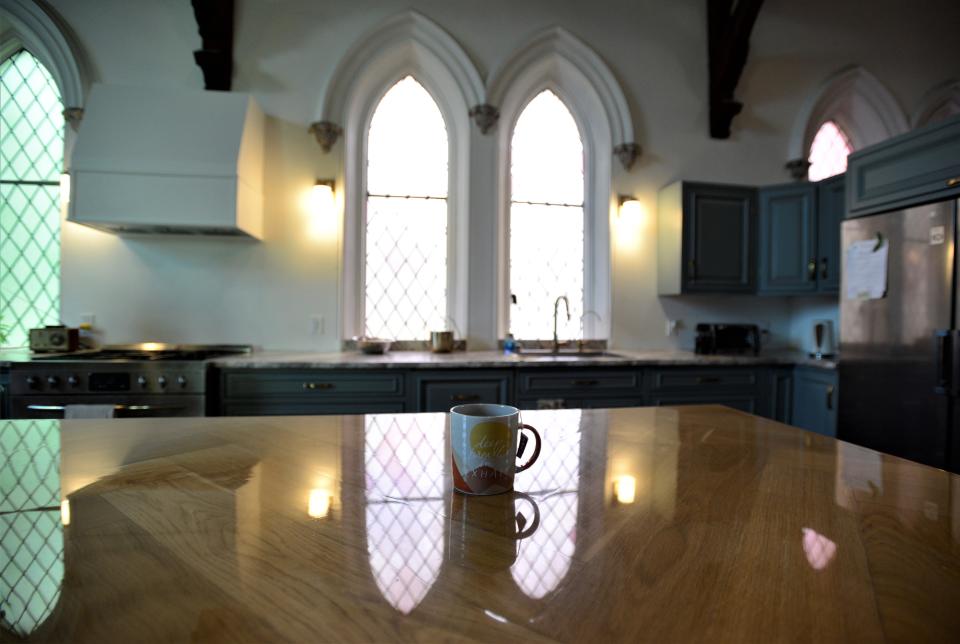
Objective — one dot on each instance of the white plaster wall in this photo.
(193, 290)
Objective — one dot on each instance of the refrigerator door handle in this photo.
(947, 361)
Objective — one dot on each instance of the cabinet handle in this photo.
(812, 269)
(585, 383)
(823, 268)
(706, 380)
(830, 397)
(311, 386)
(953, 182)
(464, 397)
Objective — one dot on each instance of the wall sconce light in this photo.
(64, 189)
(65, 512)
(630, 208)
(625, 489)
(322, 197)
(318, 505)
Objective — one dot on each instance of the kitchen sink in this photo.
(567, 354)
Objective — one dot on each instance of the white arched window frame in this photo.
(859, 104)
(555, 60)
(406, 45)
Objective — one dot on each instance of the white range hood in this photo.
(161, 160)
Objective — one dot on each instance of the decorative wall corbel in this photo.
(485, 116)
(326, 133)
(73, 116)
(628, 153)
(798, 168)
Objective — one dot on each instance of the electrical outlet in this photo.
(317, 324)
(671, 327)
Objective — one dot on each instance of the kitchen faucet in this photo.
(556, 309)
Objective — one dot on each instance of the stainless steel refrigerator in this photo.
(900, 353)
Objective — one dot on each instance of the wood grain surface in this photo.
(341, 529)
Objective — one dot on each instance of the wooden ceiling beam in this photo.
(729, 23)
(215, 58)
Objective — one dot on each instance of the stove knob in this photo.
(53, 381)
(73, 381)
(142, 382)
(162, 381)
(181, 381)
(33, 382)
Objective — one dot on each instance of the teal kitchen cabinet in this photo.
(831, 208)
(260, 392)
(442, 389)
(918, 167)
(815, 400)
(788, 239)
(799, 226)
(4, 393)
(737, 387)
(706, 238)
(588, 388)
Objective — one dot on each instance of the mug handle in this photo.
(523, 443)
(534, 523)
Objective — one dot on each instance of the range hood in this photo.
(161, 160)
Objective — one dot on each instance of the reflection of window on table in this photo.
(403, 460)
(554, 482)
(31, 536)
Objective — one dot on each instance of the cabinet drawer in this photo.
(440, 391)
(745, 403)
(311, 384)
(701, 379)
(910, 169)
(275, 407)
(584, 384)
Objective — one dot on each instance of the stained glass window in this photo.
(31, 157)
(828, 152)
(405, 270)
(546, 219)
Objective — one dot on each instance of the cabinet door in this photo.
(719, 225)
(788, 239)
(831, 207)
(815, 401)
(921, 166)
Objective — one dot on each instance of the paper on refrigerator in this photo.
(865, 269)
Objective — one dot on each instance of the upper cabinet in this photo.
(831, 208)
(800, 237)
(788, 239)
(917, 167)
(706, 238)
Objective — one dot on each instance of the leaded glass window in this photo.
(546, 220)
(828, 152)
(405, 236)
(31, 157)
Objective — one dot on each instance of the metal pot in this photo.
(441, 341)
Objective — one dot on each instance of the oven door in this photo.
(124, 406)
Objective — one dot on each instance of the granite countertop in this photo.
(487, 359)
(659, 524)
(493, 359)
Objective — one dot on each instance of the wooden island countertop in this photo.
(647, 524)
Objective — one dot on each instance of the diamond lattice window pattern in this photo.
(31, 535)
(546, 220)
(828, 152)
(405, 266)
(403, 459)
(31, 155)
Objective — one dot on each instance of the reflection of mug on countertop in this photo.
(484, 447)
(485, 531)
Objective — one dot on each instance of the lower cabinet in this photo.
(4, 393)
(801, 396)
(442, 389)
(815, 400)
(267, 392)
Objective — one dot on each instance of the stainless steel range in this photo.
(148, 379)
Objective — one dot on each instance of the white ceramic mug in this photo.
(484, 445)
